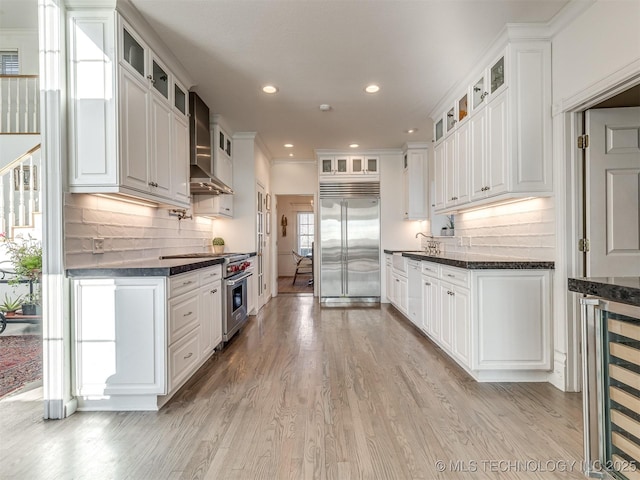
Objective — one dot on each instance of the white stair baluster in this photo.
(12, 214)
(3, 220)
(32, 184)
(21, 209)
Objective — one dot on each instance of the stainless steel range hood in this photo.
(203, 181)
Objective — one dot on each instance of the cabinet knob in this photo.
(215, 290)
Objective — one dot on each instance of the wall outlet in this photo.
(98, 245)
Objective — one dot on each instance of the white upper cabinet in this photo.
(493, 138)
(348, 165)
(218, 205)
(128, 113)
(415, 182)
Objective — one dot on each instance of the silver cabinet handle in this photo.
(187, 314)
(188, 356)
(427, 284)
(215, 290)
(484, 95)
(187, 283)
(449, 275)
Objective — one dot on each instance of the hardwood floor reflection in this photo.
(286, 286)
(308, 392)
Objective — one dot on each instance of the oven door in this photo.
(236, 304)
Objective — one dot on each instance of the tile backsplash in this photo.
(523, 229)
(131, 232)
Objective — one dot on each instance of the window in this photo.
(305, 233)
(9, 62)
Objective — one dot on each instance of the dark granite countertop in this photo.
(475, 261)
(617, 289)
(145, 268)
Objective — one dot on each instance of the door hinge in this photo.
(583, 245)
(583, 141)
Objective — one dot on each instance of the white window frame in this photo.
(299, 235)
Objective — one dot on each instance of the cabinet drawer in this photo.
(209, 275)
(431, 269)
(182, 284)
(456, 276)
(183, 358)
(184, 314)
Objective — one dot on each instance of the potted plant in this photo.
(9, 305)
(218, 245)
(448, 229)
(26, 257)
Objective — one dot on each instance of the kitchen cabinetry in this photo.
(493, 323)
(414, 293)
(389, 278)
(415, 181)
(127, 114)
(139, 339)
(348, 165)
(218, 205)
(430, 300)
(495, 142)
(120, 342)
(399, 283)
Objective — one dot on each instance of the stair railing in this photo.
(19, 104)
(20, 176)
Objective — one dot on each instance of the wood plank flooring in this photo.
(305, 392)
(286, 286)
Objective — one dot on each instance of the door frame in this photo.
(568, 174)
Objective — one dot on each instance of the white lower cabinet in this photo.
(139, 339)
(496, 324)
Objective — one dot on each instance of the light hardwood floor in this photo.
(308, 392)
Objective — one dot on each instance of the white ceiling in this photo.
(325, 51)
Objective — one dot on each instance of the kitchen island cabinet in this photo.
(142, 331)
(491, 315)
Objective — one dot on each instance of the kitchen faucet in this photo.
(425, 236)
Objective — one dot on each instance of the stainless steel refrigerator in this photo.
(349, 245)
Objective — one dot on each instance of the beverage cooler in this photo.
(611, 389)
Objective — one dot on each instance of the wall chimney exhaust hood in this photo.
(202, 179)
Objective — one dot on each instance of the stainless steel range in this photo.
(234, 288)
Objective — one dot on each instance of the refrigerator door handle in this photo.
(345, 242)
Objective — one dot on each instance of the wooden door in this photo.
(613, 192)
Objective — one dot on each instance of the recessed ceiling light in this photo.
(411, 130)
(373, 88)
(354, 145)
(288, 145)
(291, 154)
(325, 107)
(270, 89)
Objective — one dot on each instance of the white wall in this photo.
(131, 232)
(26, 42)
(294, 178)
(598, 43)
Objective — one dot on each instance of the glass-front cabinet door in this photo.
(326, 165)
(463, 108)
(372, 165)
(357, 165)
(342, 164)
(497, 75)
(451, 119)
(132, 52)
(439, 129)
(478, 93)
(160, 79)
(620, 389)
(179, 99)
